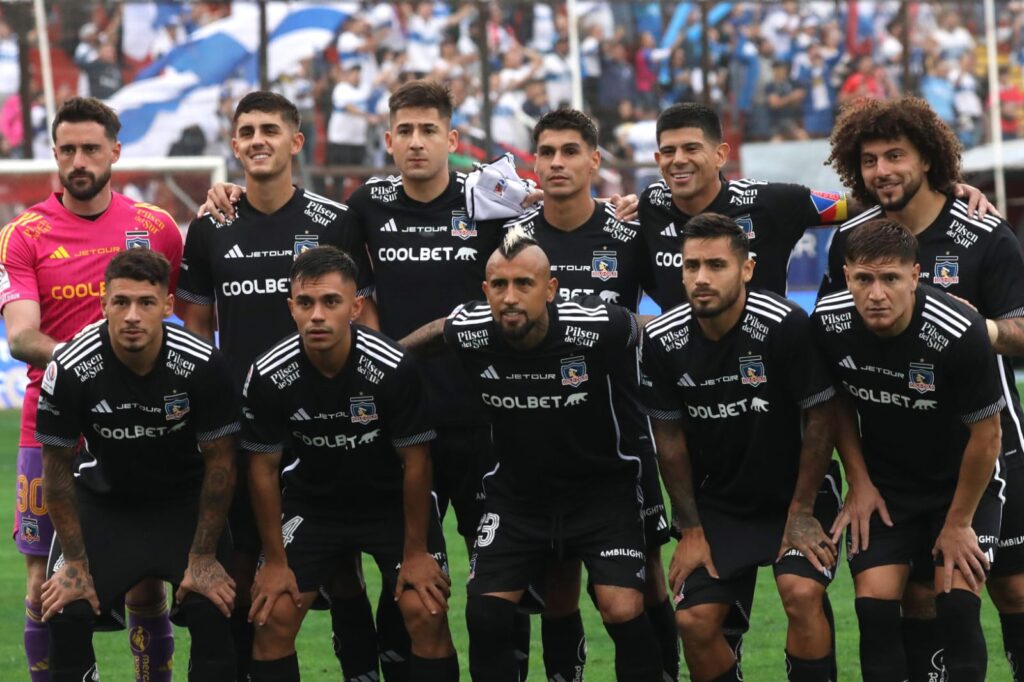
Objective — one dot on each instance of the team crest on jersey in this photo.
(50, 377)
(574, 371)
(747, 223)
(922, 377)
(363, 409)
(947, 271)
(604, 266)
(500, 186)
(462, 226)
(136, 239)
(175, 406)
(752, 371)
(305, 242)
(29, 530)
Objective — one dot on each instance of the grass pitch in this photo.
(763, 651)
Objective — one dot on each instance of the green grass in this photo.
(763, 658)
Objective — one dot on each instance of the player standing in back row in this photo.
(235, 273)
(594, 253)
(52, 259)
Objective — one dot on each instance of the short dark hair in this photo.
(514, 242)
(880, 240)
(567, 119)
(82, 109)
(910, 117)
(321, 261)
(690, 115)
(140, 265)
(426, 94)
(713, 226)
(269, 103)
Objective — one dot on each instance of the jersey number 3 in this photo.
(486, 530)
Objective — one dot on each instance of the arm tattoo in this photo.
(59, 493)
(1011, 336)
(815, 454)
(215, 497)
(426, 340)
(676, 471)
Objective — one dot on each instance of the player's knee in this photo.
(699, 625)
(35, 576)
(801, 598)
(425, 628)
(276, 638)
(489, 618)
(1007, 593)
(619, 604)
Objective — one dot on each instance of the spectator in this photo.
(347, 129)
(784, 99)
(646, 62)
(104, 73)
(536, 103)
(952, 37)
(618, 82)
(1011, 104)
(10, 71)
(558, 74)
(868, 81)
(755, 57)
(967, 102)
(424, 32)
(590, 62)
(938, 91)
(819, 101)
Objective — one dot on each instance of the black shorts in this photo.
(126, 543)
(740, 545)
(512, 548)
(318, 538)
(1010, 552)
(913, 534)
(461, 455)
(652, 503)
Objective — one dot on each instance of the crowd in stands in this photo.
(778, 71)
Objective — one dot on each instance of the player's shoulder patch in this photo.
(30, 224)
(942, 311)
(571, 311)
(526, 220)
(834, 313)
(377, 346)
(312, 198)
(657, 194)
(184, 341)
(769, 306)
(871, 214)
(609, 212)
(83, 354)
(155, 209)
(958, 209)
(471, 325)
(675, 318)
(278, 355)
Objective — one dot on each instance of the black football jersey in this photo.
(978, 260)
(604, 258)
(555, 426)
(243, 268)
(342, 431)
(739, 398)
(916, 392)
(427, 258)
(774, 215)
(141, 433)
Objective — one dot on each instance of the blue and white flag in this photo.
(183, 88)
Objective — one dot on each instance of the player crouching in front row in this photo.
(916, 367)
(147, 495)
(348, 404)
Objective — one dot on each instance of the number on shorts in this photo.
(487, 529)
(30, 495)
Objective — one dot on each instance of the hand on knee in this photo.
(428, 632)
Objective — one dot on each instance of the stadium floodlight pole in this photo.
(485, 77)
(43, 38)
(262, 65)
(574, 55)
(996, 105)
